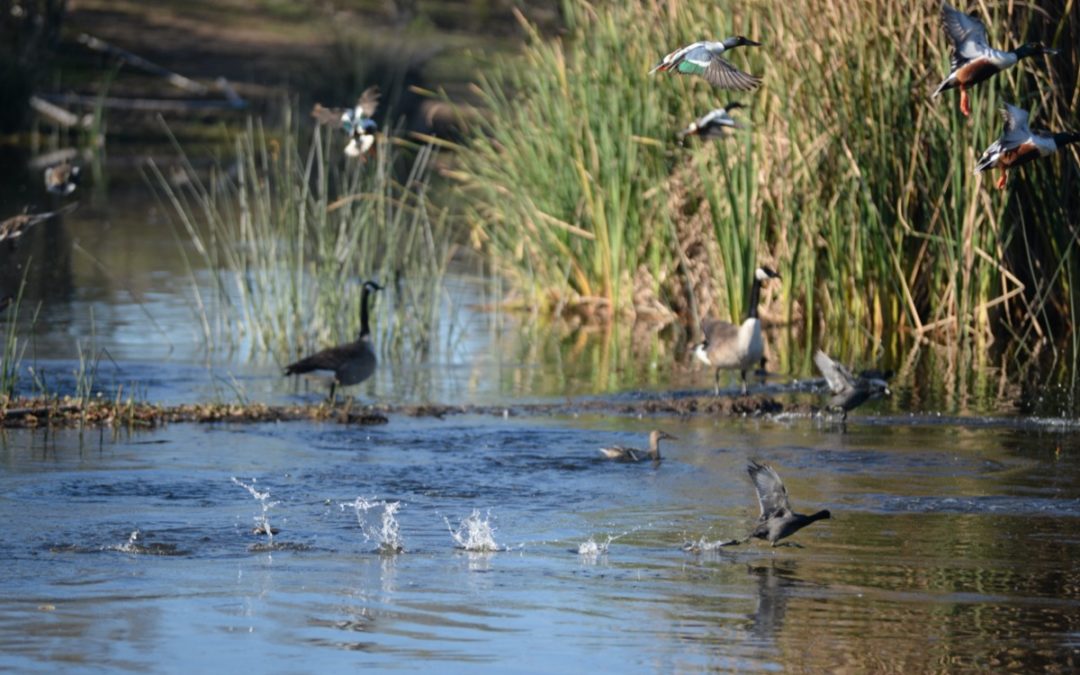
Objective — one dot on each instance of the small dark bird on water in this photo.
(351, 363)
(61, 179)
(777, 520)
(849, 391)
(622, 454)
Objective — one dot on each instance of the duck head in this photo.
(739, 41)
(1033, 49)
(732, 105)
(1066, 137)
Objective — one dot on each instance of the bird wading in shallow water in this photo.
(777, 520)
(350, 363)
(622, 454)
(730, 347)
(713, 124)
(848, 391)
(1018, 144)
(704, 59)
(973, 59)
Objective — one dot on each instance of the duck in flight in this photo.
(1018, 144)
(705, 59)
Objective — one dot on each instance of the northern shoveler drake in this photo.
(622, 454)
(712, 124)
(1019, 145)
(356, 122)
(730, 347)
(704, 59)
(973, 59)
(848, 391)
(61, 179)
(351, 363)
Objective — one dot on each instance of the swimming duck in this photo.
(704, 59)
(849, 391)
(973, 59)
(351, 363)
(16, 226)
(621, 454)
(60, 179)
(356, 122)
(713, 123)
(1019, 145)
(730, 347)
(777, 520)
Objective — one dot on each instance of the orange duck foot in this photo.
(1001, 181)
(965, 104)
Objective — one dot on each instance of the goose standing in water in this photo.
(713, 124)
(351, 363)
(849, 391)
(622, 454)
(973, 59)
(704, 59)
(1018, 144)
(777, 520)
(730, 347)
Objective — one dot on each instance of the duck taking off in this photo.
(973, 59)
(704, 59)
(730, 347)
(848, 391)
(356, 122)
(713, 123)
(351, 363)
(777, 520)
(623, 454)
(1018, 144)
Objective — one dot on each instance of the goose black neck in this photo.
(755, 294)
(820, 515)
(365, 329)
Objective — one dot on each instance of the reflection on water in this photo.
(129, 555)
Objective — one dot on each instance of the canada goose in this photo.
(849, 391)
(704, 59)
(351, 363)
(621, 454)
(730, 347)
(973, 59)
(713, 123)
(777, 519)
(60, 179)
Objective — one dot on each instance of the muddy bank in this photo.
(66, 412)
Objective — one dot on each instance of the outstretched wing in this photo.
(772, 495)
(838, 377)
(330, 117)
(368, 101)
(967, 33)
(722, 74)
(1016, 123)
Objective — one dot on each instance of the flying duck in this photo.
(730, 347)
(713, 123)
(356, 122)
(1019, 145)
(973, 59)
(622, 454)
(351, 363)
(704, 59)
(849, 391)
(777, 520)
(16, 226)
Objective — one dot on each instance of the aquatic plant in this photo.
(854, 184)
(288, 231)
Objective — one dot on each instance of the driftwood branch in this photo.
(156, 105)
(58, 115)
(139, 62)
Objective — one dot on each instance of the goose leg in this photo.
(744, 388)
(716, 388)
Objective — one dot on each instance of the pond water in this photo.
(953, 542)
(949, 548)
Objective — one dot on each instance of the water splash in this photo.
(131, 545)
(474, 533)
(386, 532)
(703, 545)
(262, 520)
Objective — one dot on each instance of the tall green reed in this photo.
(284, 234)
